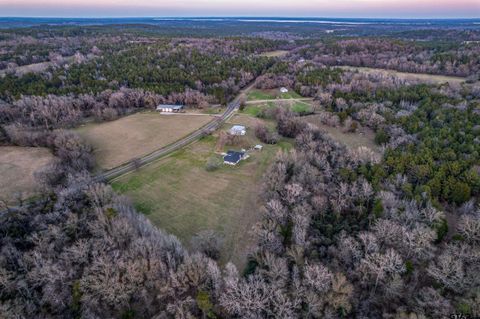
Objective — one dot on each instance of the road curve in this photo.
(147, 159)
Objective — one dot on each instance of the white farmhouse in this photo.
(283, 90)
(170, 108)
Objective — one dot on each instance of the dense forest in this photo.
(427, 57)
(343, 233)
(214, 68)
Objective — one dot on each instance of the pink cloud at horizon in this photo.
(320, 8)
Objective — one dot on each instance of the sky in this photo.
(250, 8)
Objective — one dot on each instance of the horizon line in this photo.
(234, 17)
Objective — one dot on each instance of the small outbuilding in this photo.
(233, 157)
(238, 130)
(170, 108)
(258, 147)
(283, 90)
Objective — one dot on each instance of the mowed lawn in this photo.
(17, 168)
(133, 136)
(429, 78)
(272, 94)
(179, 195)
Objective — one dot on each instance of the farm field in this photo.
(136, 135)
(275, 54)
(431, 78)
(179, 195)
(256, 94)
(363, 137)
(17, 168)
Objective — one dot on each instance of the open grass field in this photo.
(275, 54)
(33, 68)
(272, 94)
(179, 195)
(255, 109)
(429, 78)
(136, 135)
(17, 168)
(363, 137)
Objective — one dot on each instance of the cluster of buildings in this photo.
(234, 157)
(231, 157)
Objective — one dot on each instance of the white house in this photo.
(258, 147)
(283, 90)
(238, 130)
(169, 108)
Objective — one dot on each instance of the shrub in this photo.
(381, 137)
(263, 134)
(442, 229)
(460, 193)
(213, 163)
(208, 243)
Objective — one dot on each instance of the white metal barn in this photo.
(238, 130)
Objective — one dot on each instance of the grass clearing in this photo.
(17, 168)
(136, 135)
(259, 95)
(363, 137)
(275, 54)
(429, 78)
(178, 194)
(301, 107)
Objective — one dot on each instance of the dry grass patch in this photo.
(428, 78)
(275, 54)
(363, 137)
(120, 141)
(17, 168)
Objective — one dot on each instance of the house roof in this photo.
(233, 156)
(238, 128)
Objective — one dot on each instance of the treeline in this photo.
(51, 112)
(214, 67)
